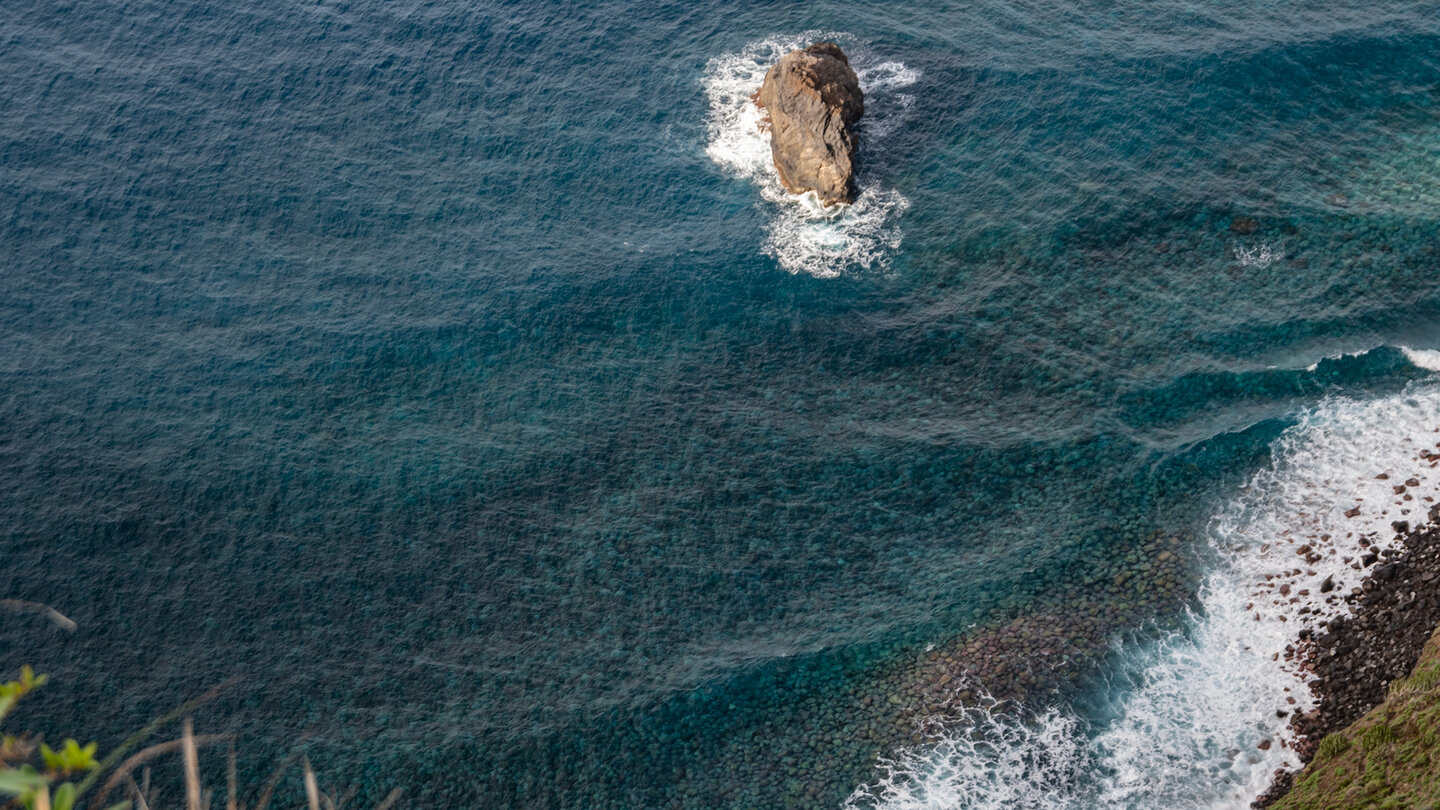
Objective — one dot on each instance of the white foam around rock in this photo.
(804, 236)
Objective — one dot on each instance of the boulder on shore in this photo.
(813, 99)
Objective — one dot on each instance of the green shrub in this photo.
(1333, 746)
(30, 787)
(1378, 735)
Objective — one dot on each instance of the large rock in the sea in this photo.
(814, 99)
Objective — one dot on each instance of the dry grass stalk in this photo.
(192, 766)
(134, 739)
(275, 780)
(230, 803)
(197, 797)
(146, 755)
(22, 606)
(312, 788)
(140, 803)
(346, 797)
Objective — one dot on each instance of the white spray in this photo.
(1203, 720)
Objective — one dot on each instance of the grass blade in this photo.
(145, 756)
(312, 788)
(192, 766)
(134, 739)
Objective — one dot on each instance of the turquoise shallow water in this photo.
(424, 366)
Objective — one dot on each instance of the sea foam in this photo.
(803, 235)
(1199, 718)
(1428, 359)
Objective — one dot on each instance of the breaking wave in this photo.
(1200, 717)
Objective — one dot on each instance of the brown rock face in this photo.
(813, 98)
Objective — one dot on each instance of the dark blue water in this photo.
(417, 364)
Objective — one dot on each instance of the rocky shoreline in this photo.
(1355, 658)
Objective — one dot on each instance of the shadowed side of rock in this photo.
(813, 99)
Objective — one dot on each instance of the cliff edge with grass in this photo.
(1390, 758)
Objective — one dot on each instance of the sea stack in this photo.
(813, 99)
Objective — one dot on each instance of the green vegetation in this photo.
(1333, 745)
(34, 776)
(1376, 737)
(1390, 758)
(47, 786)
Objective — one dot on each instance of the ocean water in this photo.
(457, 379)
